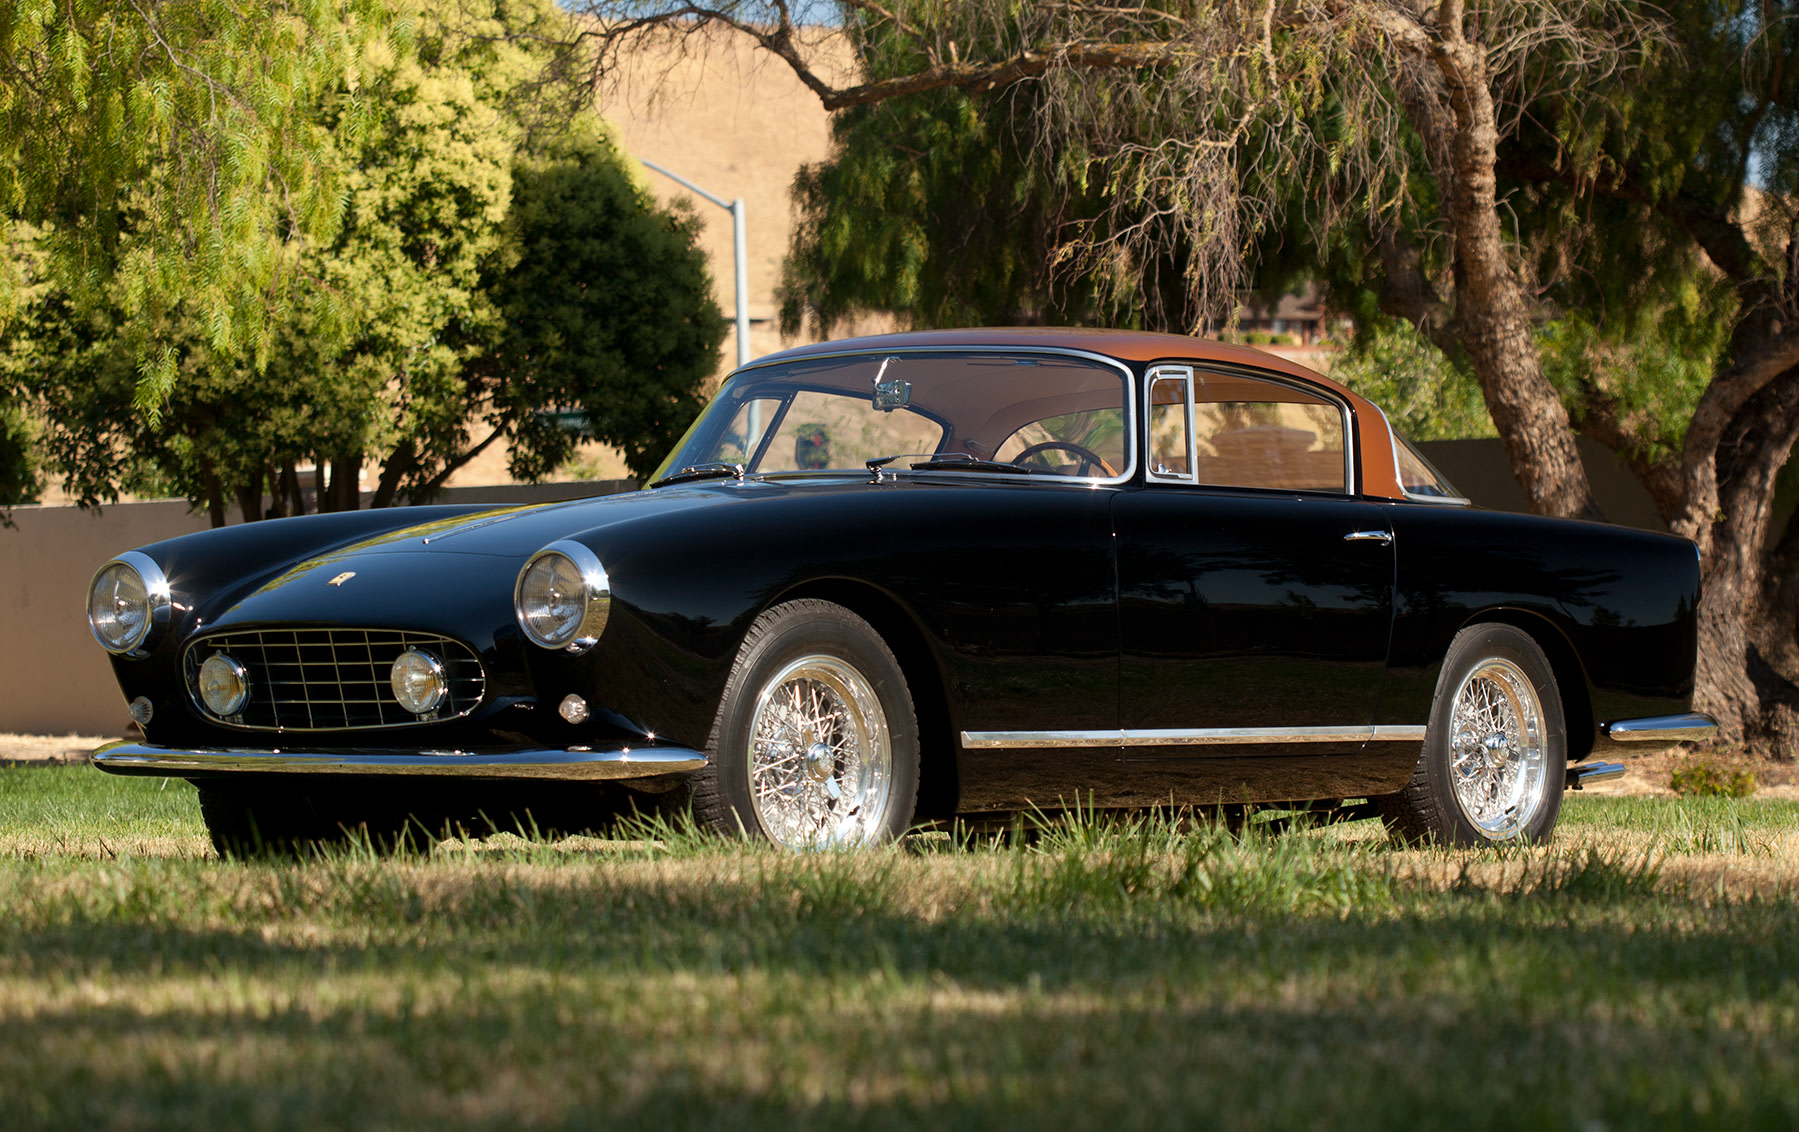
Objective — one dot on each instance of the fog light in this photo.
(418, 681)
(573, 709)
(224, 685)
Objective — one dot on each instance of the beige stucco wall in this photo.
(56, 678)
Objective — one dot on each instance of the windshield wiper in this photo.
(963, 462)
(712, 471)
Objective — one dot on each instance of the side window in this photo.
(1240, 430)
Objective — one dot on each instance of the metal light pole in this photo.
(739, 223)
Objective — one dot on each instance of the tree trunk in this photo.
(215, 495)
(395, 470)
(277, 493)
(1733, 602)
(290, 486)
(249, 497)
(1491, 313)
(346, 482)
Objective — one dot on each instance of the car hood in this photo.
(442, 570)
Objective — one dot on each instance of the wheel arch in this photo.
(1564, 661)
(939, 781)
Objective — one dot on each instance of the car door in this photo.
(1255, 593)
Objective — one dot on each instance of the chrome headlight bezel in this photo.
(595, 595)
(157, 605)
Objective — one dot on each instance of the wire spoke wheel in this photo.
(821, 757)
(1496, 751)
(1493, 763)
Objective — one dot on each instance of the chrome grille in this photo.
(332, 679)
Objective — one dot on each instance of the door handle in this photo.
(1385, 538)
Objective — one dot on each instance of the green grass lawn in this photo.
(1643, 972)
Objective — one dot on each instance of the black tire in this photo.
(812, 648)
(1510, 786)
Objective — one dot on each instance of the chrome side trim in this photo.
(1398, 733)
(574, 763)
(1661, 728)
(1023, 740)
(1188, 737)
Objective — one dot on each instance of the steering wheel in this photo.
(1087, 456)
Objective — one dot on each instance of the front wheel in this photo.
(1495, 754)
(816, 740)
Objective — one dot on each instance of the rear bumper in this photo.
(573, 764)
(1663, 729)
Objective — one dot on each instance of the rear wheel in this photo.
(1495, 754)
(816, 739)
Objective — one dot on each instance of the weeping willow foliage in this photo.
(171, 151)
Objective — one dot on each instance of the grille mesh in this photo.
(333, 679)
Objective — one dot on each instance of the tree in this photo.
(605, 305)
(1625, 199)
(169, 149)
(1194, 110)
(406, 340)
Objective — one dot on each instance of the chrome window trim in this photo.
(158, 596)
(1196, 369)
(1399, 476)
(1152, 375)
(1191, 736)
(1129, 406)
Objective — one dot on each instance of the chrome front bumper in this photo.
(574, 763)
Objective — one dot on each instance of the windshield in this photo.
(957, 412)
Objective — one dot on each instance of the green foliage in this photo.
(1648, 369)
(1426, 395)
(21, 476)
(928, 209)
(171, 150)
(603, 303)
(1704, 776)
(471, 283)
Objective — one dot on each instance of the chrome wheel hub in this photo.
(821, 760)
(1498, 761)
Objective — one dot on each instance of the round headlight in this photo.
(418, 681)
(128, 601)
(224, 685)
(563, 597)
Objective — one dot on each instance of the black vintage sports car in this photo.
(897, 580)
